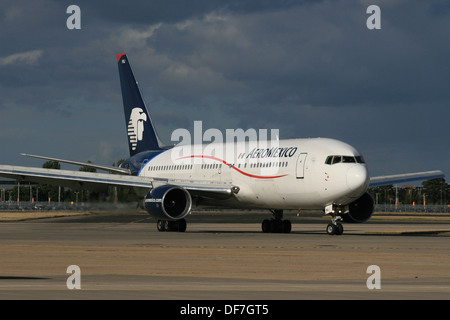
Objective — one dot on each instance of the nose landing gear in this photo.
(335, 227)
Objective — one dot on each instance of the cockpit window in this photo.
(344, 159)
(336, 159)
(360, 159)
(347, 159)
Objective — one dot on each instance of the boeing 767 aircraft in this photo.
(316, 173)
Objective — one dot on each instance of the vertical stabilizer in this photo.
(141, 132)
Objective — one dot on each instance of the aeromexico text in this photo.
(275, 152)
(263, 146)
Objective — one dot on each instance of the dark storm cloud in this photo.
(269, 62)
(308, 68)
(151, 12)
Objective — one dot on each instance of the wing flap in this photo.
(219, 192)
(200, 188)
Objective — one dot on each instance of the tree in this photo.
(87, 168)
(436, 191)
(47, 191)
(120, 194)
(383, 194)
(408, 195)
(51, 165)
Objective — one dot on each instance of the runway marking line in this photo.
(326, 247)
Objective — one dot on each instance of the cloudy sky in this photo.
(307, 68)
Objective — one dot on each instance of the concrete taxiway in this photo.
(121, 255)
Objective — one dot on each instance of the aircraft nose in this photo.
(357, 178)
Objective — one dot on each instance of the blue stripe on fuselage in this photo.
(154, 154)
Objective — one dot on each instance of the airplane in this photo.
(277, 175)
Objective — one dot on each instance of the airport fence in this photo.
(63, 206)
(89, 206)
(429, 208)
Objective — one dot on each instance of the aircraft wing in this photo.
(100, 181)
(73, 179)
(406, 177)
(87, 164)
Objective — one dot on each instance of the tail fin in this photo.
(141, 133)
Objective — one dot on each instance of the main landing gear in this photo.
(178, 225)
(276, 224)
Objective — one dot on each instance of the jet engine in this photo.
(360, 210)
(168, 202)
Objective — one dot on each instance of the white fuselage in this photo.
(281, 174)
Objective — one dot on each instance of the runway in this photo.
(121, 255)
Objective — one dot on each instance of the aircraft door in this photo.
(301, 165)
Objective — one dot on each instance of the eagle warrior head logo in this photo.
(136, 126)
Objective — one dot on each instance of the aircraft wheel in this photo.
(340, 229)
(287, 226)
(266, 226)
(331, 229)
(162, 225)
(182, 225)
(335, 229)
(276, 226)
(179, 225)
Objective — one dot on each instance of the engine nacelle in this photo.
(168, 202)
(360, 210)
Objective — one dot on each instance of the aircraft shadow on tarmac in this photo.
(195, 221)
(424, 233)
(21, 278)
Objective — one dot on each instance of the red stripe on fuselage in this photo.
(238, 170)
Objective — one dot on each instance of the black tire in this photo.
(182, 225)
(161, 225)
(339, 229)
(287, 226)
(266, 226)
(331, 229)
